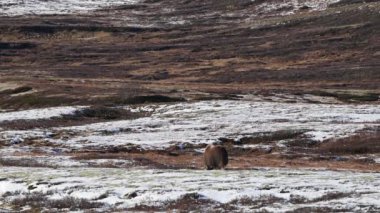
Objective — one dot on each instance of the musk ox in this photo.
(215, 157)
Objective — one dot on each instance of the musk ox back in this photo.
(215, 157)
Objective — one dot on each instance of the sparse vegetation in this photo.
(332, 196)
(365, 143)
(196, 202)
(319, 210)
(23, 162)
(102, 112)
(40, 202)
(258, 202)
(269, 80)
(145, 99)
(270, 137)
(350, 97)
(34, 101)
(301, 143)
(189, 202)
(79, 117)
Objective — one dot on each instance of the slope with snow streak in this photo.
(155, 187)
(34, 114)
(43, 7)
(290, 7)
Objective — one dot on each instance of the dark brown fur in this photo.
(215, 157)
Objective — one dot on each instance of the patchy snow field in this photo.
(207, 121)
(48, 7)
(114, 187)
(45, 7)
(108, 183)
(38, 113)
(290, 7)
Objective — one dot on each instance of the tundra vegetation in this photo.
(110, 105)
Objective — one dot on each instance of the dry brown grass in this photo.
(318, 209)
(102, 112)
(259, 202)
(320, 55)
(365, 143)
(33, 101)
(269, 137)
(188, 202)
(23, 162)
(348, 96)
(196, 202)
(39, 201)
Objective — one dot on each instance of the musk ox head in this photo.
(215, 157)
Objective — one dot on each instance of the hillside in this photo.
(109, 105)
(192, 49)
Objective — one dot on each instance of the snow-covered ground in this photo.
(38, 113)
(358, 191)
(55, 160)
(43, 7)
(207, 121)
(290, 7)
(177, 123)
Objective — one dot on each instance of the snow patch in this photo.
(47, 7)
(290, 7)
(206, 121)
(44, 113)
(156, 187)
(8, 186)
(202, 122)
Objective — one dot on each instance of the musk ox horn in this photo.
(215, 157)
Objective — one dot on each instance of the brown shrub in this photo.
(33, 200)
(23, 162)
(73, 204)
(331, 196)
(347, 97)
(259, 202)
(318, 209)
(365, 143)
(102, 112)
(268, 137)
(34, 101)
(188, 202)
(39, 200)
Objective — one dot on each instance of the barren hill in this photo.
(193, 49)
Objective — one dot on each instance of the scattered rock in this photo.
(131, 195)
(31, 187)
